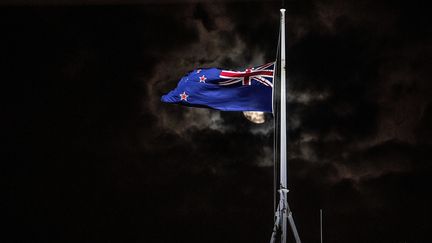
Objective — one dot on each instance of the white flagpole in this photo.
(285, 210)
(283, 158)
(283, 214)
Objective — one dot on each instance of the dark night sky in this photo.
(92, 155)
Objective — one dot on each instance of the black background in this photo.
(92, 155)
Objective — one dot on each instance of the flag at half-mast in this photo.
(227, 90)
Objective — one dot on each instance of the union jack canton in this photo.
(263, 74)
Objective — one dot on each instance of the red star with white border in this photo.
(202, 79)
(184, 96)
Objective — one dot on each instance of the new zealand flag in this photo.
(226, 90)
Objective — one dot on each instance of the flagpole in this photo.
(285, 213)
(283, 162)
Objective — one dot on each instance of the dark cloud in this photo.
(94, 156)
